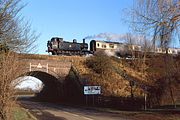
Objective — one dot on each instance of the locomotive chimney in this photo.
(83, 40)
(74, 41)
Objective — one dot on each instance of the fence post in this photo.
(47, 68)
(29, 66)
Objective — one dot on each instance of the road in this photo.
(48, 111)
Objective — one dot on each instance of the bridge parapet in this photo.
(56, 68)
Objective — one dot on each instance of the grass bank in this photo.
(20, 113)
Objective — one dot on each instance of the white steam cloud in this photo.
(107, 36)
(125, 38)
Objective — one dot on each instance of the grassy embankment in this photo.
(20, 113)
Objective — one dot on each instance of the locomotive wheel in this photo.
(54, 53)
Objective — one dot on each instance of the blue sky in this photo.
(75, 18)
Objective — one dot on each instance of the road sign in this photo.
(39, 66)
(92, 90)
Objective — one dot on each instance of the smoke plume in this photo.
(107, 36)
(124, 38)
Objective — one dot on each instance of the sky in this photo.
(29, 82)
(75, 19)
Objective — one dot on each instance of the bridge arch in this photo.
(52, 89)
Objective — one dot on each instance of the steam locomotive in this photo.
(59, 47)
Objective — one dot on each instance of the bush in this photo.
(100, 64)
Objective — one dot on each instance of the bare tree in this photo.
(137, 47)
(15, 33)
(15, 37)
(10, 69)
(160, 20)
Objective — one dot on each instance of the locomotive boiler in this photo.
(59, 47)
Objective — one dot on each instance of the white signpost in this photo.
(92, 90)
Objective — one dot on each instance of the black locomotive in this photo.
(59, 47)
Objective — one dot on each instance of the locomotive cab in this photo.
(55, 42)
(53, 45)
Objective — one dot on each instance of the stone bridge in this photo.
(52, 73)
(58, 69)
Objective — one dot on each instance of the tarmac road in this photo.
(48, 111)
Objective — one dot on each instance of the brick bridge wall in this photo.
(52, 71)
(55, 68)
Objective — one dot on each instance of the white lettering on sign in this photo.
(92, 90)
